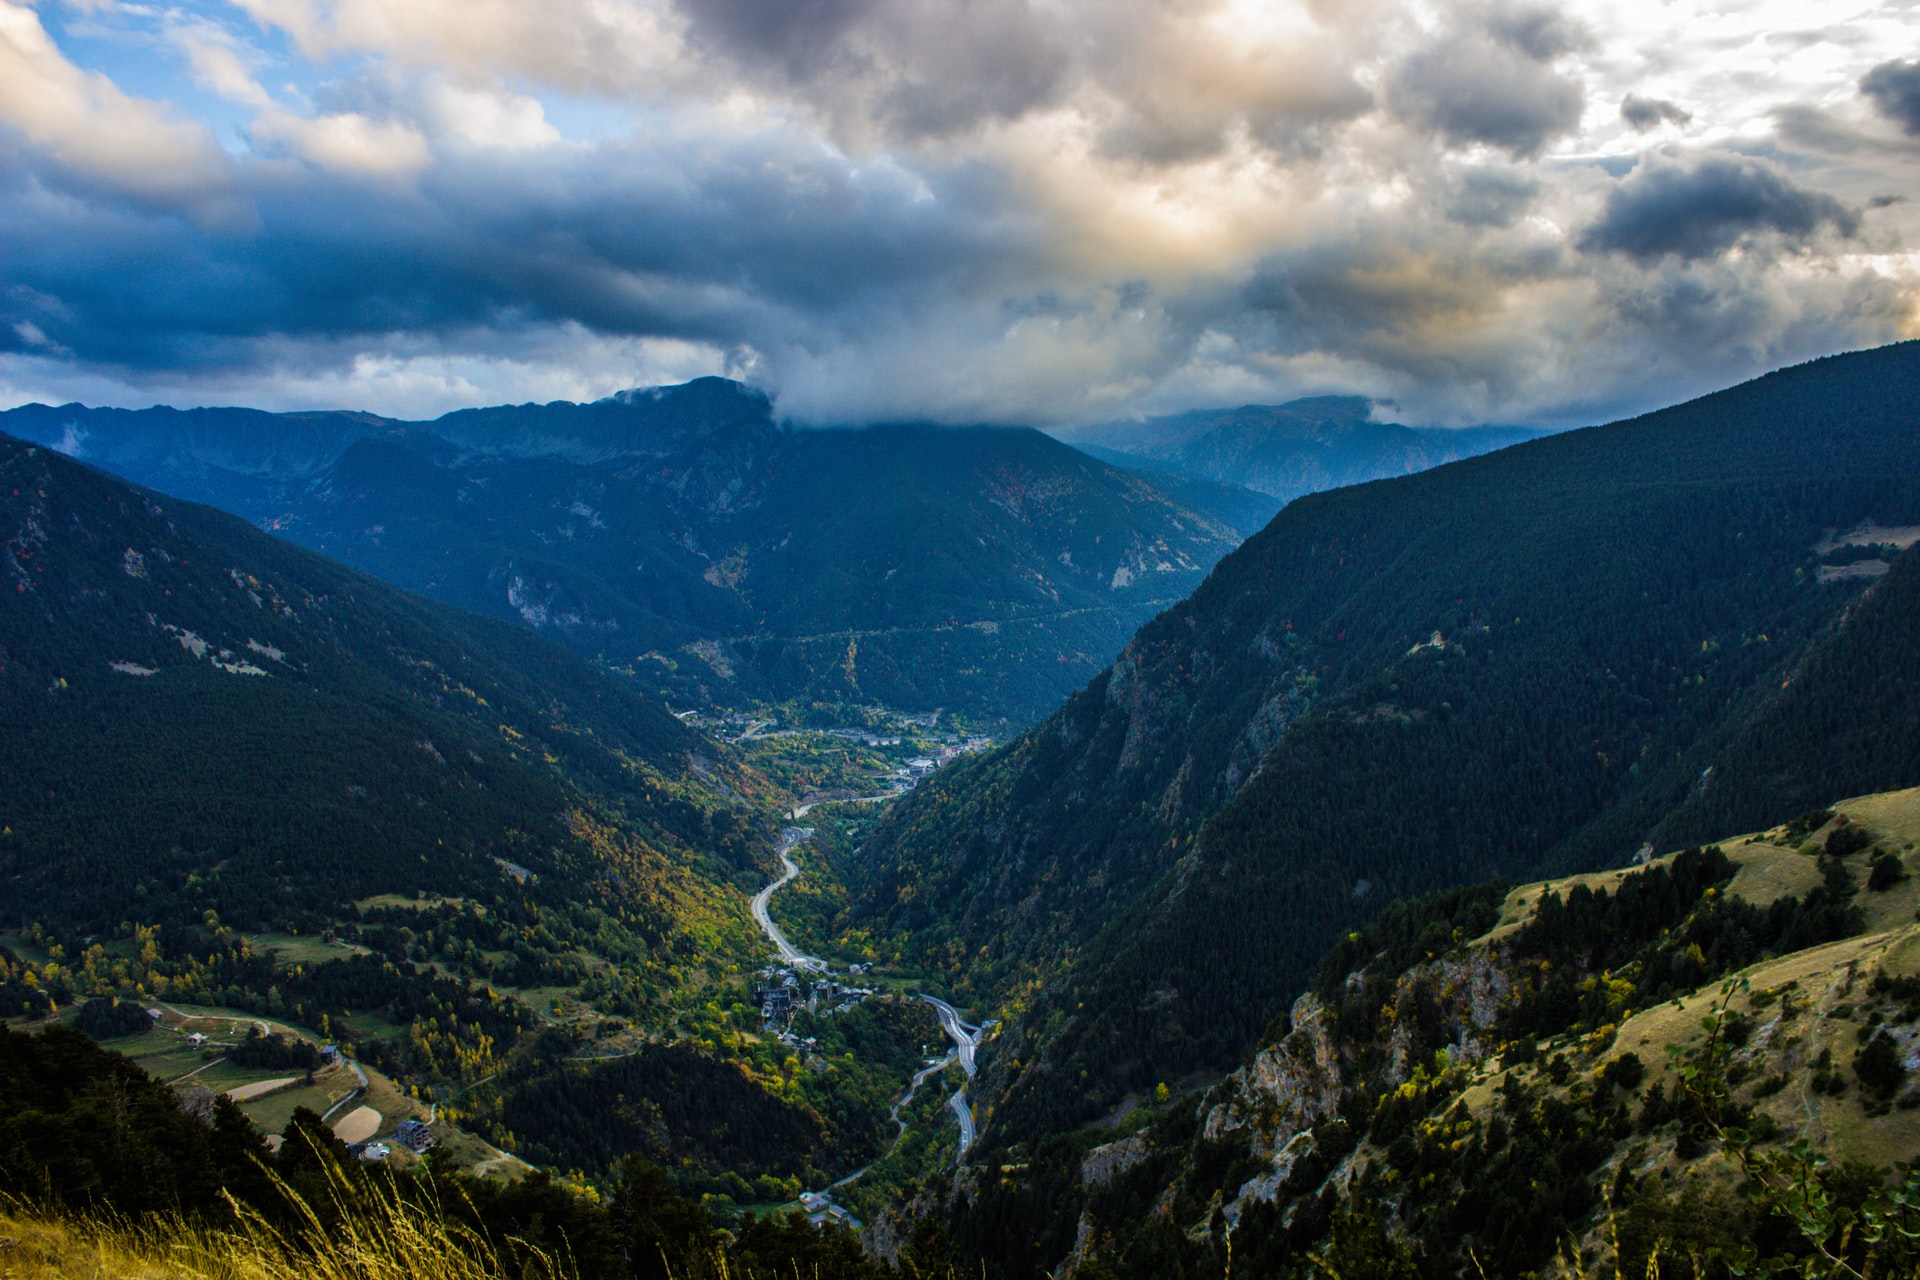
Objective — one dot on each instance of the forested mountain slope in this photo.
(1239, 508)
(202, 718)
(1520, 662)
(1706, 1061)
(1287, 450)
(681, 534)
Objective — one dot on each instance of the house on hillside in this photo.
(414, 1135)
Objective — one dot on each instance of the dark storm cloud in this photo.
(1487, 87)
(624, 241)
(1650, 113)
(1540, 33)
(1894, 88)
(917, 69)
(797, 36)
(1700, 209)
(963, 209)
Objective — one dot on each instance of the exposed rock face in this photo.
(1103, 1164)
(1290, 1086)
(1286, 1087)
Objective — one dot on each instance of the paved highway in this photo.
(963, 1111)
(790, 839)
(965, 1038)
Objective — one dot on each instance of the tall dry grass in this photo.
(382, 1237)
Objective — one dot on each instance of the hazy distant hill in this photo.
(1286, 450)
(681, 533)
(1517, 663)
(1244, 510)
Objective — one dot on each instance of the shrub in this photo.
(1878, 1066)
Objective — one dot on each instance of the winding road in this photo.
(965, 1036)
(966, 1039)
(963, 1112)
(790, 839)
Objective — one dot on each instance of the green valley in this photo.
(246, 787)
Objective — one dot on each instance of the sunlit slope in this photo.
(1490, 1075)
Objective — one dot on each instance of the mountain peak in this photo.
(710, 389)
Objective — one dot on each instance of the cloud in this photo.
(800, 37)
(1492, 197)
(1015, 210)
(1702, 208)
(1650, 113)
(346, 142)
(627, 49)
(1894, 89)
(100, 140)
(1476, 87)
(218, 66)
(1541, 32)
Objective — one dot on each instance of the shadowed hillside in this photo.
(1520, 662)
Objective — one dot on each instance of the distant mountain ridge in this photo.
(682, 534)
(1288, 450)
(237, 774)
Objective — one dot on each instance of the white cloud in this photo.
(489, 117)
(216, 65)
(347, 142)
(100, 138)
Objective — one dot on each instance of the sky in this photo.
(1037, 211)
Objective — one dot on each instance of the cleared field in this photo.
(1769, 872)
(478, 1157)
(288, 948)
(261, 1088)
(391, 1100)
(161, 1054)
(271, 1114)
(358, 1125)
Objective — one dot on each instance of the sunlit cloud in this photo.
(996, 210)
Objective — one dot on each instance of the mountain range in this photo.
(683, 536)
(1695, 1066)
(202, 717)
(1234, 921)
(1285, 450)
(240, 775)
